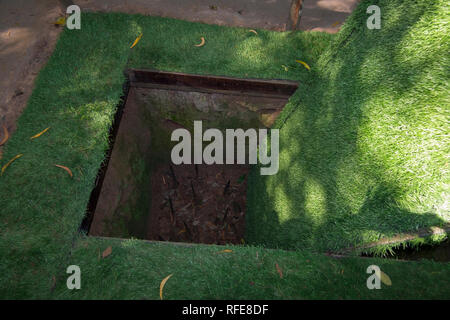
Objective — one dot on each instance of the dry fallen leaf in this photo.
(107, 252)
(61, 21)
(161, 286)
(136, 41)
(201, 43)
(226, 251)
(10, 161)
(304, 64)
(385, 278)
(336, 23)
(254, 31)
(40, 133)
(5, 136)
(280, 272)
(65, 168)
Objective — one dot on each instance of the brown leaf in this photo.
(5, 136)
(39, 134)
(280, 272)
(10, 161)
(161, 286)
(225, 251)
(201, 43)
(107, 252)
(65, 168)
(136, 41)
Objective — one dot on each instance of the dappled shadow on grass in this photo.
(347, 176)
(236, 52)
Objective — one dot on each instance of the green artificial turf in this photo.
(76, 95)
(364, 146)
(134, 270)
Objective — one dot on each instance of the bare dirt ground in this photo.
(28, 36)
(325, 15)
(198, 203)
(27, 39)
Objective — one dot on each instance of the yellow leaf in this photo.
(181, 231)
(201, 43)
(10, 161)
(385, 278)
(40, 134)
(304, 64)
(61, 21)
(65, 168)
(161, 286)
(5, 136)
(136, 41)
(336, 23)
(251, 30)
(107, 252)
(225, 251)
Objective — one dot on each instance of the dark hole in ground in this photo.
(144, 195)
(437, 252)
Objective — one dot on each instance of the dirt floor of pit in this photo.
(198, 203)
(145, 196)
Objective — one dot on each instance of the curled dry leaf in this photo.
(280, 272)
(65, 168)
(10, 161)
(61, 21)
(304, 64)
(136, 41)
(226, 251)
(201, 43)
(107, 252)
(161, 286)
(254, 31)
(40, 133)
(5, 136)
